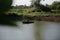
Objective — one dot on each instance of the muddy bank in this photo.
(43, 18)
(48, 18)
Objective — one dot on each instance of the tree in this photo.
(33, 2)
(55, 5)
(43, 8)
(5, 5)
(39, 6)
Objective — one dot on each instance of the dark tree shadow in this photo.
(5, 5)
(8, 19)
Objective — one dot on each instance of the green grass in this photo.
(35, 13)
(41, 14)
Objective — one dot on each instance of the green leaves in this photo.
(55, 5)
(35, 1)
(5, 5)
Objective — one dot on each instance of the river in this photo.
(48, 31)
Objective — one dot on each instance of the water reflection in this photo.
(46, 30)
(22, 32)
(10, 19)
(50, 31)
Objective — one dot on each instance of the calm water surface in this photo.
(49, 31)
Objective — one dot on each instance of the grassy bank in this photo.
(41, 14)
(35, 13)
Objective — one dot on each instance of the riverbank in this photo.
(43, 18)
(14, 17)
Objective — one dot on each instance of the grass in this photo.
(41, 14)
(29, 12)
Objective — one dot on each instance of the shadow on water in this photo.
(12, 18)
(8, 20)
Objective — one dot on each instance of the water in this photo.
(48, 31)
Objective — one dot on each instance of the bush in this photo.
(56, 11)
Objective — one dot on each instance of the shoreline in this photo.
(14, 17)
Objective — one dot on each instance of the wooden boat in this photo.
(27, 22)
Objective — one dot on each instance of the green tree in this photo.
(55, 5)
(34, 2)
(5, 5)
(39, 6)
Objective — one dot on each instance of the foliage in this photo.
(55, 5)
(5, 19)
(36, 7)
(5, 5)
(35, 1)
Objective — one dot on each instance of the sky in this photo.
(21, 2)
(28, 2)
(48, 1)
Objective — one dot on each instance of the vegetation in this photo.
(55, 7)
(35, 9)
(5, 5)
